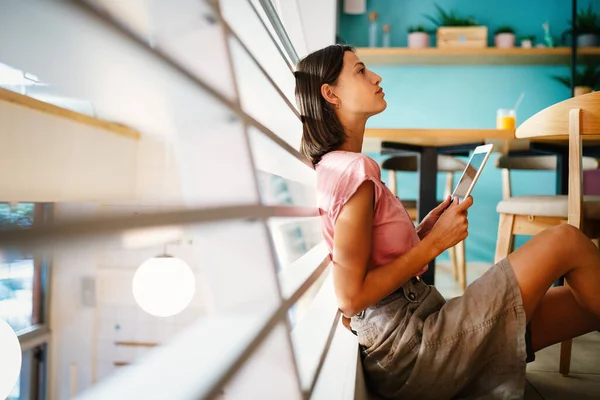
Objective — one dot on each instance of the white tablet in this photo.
(472, 171)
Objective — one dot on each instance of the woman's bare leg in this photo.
(562, 250)
(559, 317)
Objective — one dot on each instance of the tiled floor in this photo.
(543, 379)
(444, 277)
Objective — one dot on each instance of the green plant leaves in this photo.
(589, 76)
(450, 18)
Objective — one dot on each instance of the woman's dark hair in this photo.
(322, 131)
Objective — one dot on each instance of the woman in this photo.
(413, 343)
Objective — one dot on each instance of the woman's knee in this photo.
(568, 232)
(568, 240)
(556, 250)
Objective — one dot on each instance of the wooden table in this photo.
(428, 143)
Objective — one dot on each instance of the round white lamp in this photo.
(10, 361)
(164, 286)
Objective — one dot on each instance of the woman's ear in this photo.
(329, 95)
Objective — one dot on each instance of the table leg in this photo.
(562, 163)
(427, 195)
(562, 187)
(562, 173)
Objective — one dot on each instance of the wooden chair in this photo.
(529, 215)
(449, 165)
(532, 214)
(532, 163)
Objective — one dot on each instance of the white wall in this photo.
(84, 334)
(71, 323)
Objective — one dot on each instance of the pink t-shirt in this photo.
(339, 175)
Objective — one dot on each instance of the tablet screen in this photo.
(470, 172)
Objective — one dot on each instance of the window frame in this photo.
(36, 338)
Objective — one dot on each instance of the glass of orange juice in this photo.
(506, 118)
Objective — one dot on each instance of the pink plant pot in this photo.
(505, 40)
(418, 40)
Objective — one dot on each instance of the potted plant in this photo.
(418, 37)
(586, 81)
(527, 41)
(587, 28)
(504, 37)
(456, 31)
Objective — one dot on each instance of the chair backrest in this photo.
(539, 163)
(575, 117)
(554, 120)
(532, 163)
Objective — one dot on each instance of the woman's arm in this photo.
(357, 288)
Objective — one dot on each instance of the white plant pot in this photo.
(526, 44)
(505, 40)
(587, 40)
(418, 40)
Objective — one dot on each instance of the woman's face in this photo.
(358, 88)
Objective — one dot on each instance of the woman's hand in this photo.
(346, 322)
(432, 218)
(452, 226)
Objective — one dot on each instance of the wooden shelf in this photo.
(474, 56)
(59, 155)
(34, 104)
(438, 137)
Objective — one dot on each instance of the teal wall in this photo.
(467, 96)
(525, 16)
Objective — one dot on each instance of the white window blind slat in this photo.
(95, 228)
(311, 333)
(296, 274)
(278, 191)
(341, 376)
(271, 158)
(176, 30)
(260, 99)
(238, 266)
(288, 11)
(294, 238)
(210, 178)
(269, 373)
(190, 367)
(243, 20)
